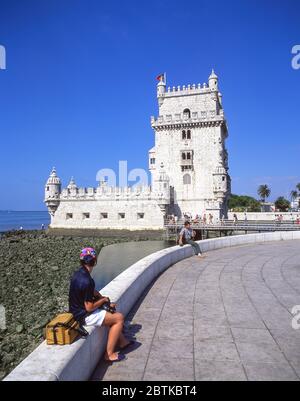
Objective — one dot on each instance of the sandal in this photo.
(120, 358)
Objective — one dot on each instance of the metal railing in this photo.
(231, 225)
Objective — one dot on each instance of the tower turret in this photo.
(213, 81)
(72, 187)
(162, 188)
(161, 89)
(72, 184)
(52, 192)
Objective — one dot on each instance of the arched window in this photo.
(187, 179)
(188, 156)
(187, 112)
(188, 134)
(183, 134)
(183, 156)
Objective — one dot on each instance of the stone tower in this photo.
(190, 133)
(52, 192)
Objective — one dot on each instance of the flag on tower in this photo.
(161, 77)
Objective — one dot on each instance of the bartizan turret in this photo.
(161, 188)
(52, 192)
(161, 89)
(213, 81)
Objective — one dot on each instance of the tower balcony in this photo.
(205, 117)
(186, 162)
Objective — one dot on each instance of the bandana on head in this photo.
(88, 254)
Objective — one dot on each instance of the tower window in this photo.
(121, 216)
(188, 156)
(187, 112)
(69, 216)
(140, 216)
(86, 215)
(47, 188)
(187, 179)
(183, 134)
(103, 216)
(188, 134)
(223, 178)
(152, 160)
(183, 156)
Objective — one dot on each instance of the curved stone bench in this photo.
(78, 360)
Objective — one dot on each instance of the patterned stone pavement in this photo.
(226, 317)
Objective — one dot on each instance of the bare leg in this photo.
(123, 341)
(115, 323)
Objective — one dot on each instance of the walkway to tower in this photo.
(227, 317)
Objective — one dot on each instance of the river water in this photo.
(12, 220)
(114, 259)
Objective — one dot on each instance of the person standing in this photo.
(186, 236)
(223, 220)
(235, 219)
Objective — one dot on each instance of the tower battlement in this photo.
(105, 191)
(186, 90)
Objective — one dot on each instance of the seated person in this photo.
(85, 303)
(196, 219)
(186, 235)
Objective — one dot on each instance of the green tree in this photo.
(264, 192)
(241, 203)
(282, 204)
(298, 186)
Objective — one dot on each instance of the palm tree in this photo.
(264, 192)
(293, 195)
(298, 186)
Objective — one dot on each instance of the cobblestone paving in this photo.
(226, 317)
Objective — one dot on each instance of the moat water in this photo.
(114, 259)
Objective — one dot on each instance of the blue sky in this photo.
(79, 87)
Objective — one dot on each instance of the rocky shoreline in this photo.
(35, 272)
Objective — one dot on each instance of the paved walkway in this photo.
(227, 317)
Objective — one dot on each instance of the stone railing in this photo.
(78, 361)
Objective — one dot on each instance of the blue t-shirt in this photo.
(82, 289)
